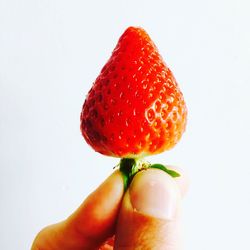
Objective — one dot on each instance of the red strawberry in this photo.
(135, 107)
(109, 244)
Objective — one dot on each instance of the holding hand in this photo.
(147, 216)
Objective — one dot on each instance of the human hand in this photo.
(147, 216)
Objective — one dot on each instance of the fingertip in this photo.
(91, 224)
(150, 213)
(102, 204)
(95, 219)
(154, 193)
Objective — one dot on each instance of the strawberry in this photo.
(135, 107)
(108, 244)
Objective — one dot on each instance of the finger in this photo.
(183, 184)
(91, 224)
(149, 217)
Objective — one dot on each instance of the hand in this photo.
(147, 216)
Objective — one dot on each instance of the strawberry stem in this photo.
(129, 167)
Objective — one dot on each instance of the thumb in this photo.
(150, 213)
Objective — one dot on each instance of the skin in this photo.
(132, 218)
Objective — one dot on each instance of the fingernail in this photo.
(154, 193)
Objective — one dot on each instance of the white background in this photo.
(52, 51)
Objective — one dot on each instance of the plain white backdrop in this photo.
(50, 53)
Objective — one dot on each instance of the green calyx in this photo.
(129, 167)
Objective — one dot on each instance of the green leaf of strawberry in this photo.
(165, 169)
